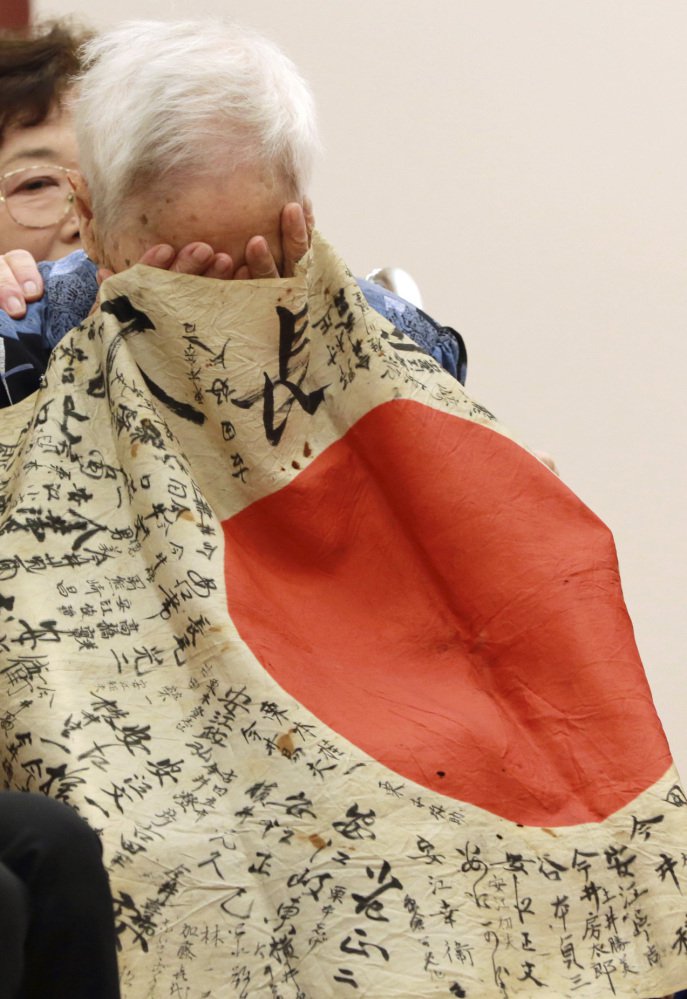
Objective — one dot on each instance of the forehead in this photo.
(53, 141)
(219, 210)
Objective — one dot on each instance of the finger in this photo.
(221, 267)
(20, 282)
(162, 255)
(201, 260)
(242, 274)
(295, 238)
(259, 259)
(194, 258)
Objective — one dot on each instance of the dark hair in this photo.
(36, 68)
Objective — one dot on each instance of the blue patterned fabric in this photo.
(26, 344)
(443, 343)
(71, 287)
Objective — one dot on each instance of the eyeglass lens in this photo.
(38, 196)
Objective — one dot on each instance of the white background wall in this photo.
(526, 161)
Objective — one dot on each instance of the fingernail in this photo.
(30, 288)
(164, 254)
(14, 305)
(202, 253)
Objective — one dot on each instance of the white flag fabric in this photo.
(339, 670)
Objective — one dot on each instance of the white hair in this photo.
(160, 98)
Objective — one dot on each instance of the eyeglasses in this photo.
(37, 196)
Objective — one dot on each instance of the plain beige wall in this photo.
(526, 161)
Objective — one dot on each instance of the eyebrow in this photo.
(38, 153)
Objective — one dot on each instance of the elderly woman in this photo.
(37, 153)
(33, 217)
(219, 169)
(324, 652)
(37, 215)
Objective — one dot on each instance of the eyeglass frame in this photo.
(36, 166)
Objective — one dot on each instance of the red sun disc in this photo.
(434, 594)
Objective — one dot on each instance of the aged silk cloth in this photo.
(339, 670)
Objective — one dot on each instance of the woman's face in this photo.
(224, 211)
(50, 143)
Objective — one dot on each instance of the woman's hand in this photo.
(194, 258)
(297, 223)
(21, 282)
